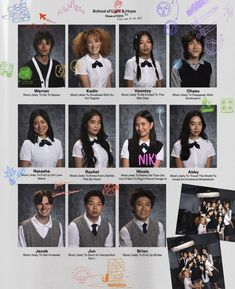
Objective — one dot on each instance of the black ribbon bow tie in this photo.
(94, 141)
(144, 147)
(43, 142)
(97, 63)
(194, 144)
(143, 64)
(144, 228)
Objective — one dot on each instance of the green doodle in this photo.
(25, 73)
(227, 105)
(6, 69)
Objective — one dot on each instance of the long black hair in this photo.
(32, 136)
(185, 133)
(87, 149)
(136, 44)
(152, 134)
(189, 37)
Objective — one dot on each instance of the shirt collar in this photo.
(198, 140)
(38, 224)
(92, 60)
(143, 60)
(40, 139)
(146, 142)
(92, 138)
(190, 62)
(140, 223)
(89, 223)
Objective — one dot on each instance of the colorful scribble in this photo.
(115, 275)
(163, 8)
(72, 5)
(6, 69)
(81, 274)
(206, 105)
(12, 174)
(18, 12)
(227, 105)
(195, 6)
(160, 110)
(110, 189)
(171, 27)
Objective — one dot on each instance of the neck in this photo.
(144, 138)
(145, 57)
(194, 137)
(93, 220)
(42, 59)
(94, 56)
(42, 220)
(194, 60)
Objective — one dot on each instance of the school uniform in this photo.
(148, 74)
(144, 156)
(34, 234)
(36, 74)
(98, 70)
(43, 153)
(228, 229)
(199, 153)
(81, 233)
(133, 234)
(99, 152)
(189, 74)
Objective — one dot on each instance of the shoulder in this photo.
(55, 62)
(27, 143)
(78, 144)
(57, 141)
(26, 222)
(131, 61)
(159, 144)
(177, 143)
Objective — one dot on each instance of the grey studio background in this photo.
(177, 115)
(126, 50)
(26, 208)
(127, 114)
(26, 35)
(73, 32)
(176, 49)
(76, 113)
(125, 209)
(76, 203)
(57, 117)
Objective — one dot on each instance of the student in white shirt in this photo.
(91, 229)
(93, 67)
(143, 149)
(41, 230)
(93, 148)
(41, 148)
(193, 149)
(143, 70)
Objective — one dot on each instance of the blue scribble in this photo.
(177, 64)
(12, 174)
(160, 110)
(18, 12)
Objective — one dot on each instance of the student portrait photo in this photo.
(46, 48)
(92, 136)
(142, 215)
(193, 136)
(41, 216)
(92, 56)
(37, 127)
(142, 135)
(192, 58)
(91, 217)
(142, 50)
(204, 210)
(195, 262)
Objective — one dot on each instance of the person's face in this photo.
(186, 274)
(93, 45)
(142, 208)
(208, 204)
(145, 46)
(94, 208)
(203, 221)
(195, 127)
(143, 127)
(220, 220)
(185, 254)
(40, 126)
(44, 208)
(194, 49)
(43, 47)
(94, 125)
(204, 251)
(226, 205)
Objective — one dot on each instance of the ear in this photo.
(151, 125)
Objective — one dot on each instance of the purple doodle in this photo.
(171, 27)
(163, 8)
(198, 21)
(195, 6)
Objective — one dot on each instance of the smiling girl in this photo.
(142, 150)
(41, 149)
(93, 148)
(92, 67)
(193, 149)
(143, 70)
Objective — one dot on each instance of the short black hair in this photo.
(43, 34)
(94, 193)
(190, 36)
(140, 192)
(38, 196)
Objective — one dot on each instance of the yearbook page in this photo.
(117, 163)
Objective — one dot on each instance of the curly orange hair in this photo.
(80, 42)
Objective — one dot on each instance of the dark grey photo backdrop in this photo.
(26, 35)
(159, 209)
(26, 208)
(73, 31)
(57, 117)
(127, 114)
(177, 115)
(76, 203)
(176, 49)
(76, 113)
(126, 51)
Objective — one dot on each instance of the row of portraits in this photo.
(94, 55)
(92, 136)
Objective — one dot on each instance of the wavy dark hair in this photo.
(87, 149)
(38, 196)
(185, 132)
(136, 44)
(32, 136)
(152, 134)
(140, 192)
(190, 36)
(43, 34)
